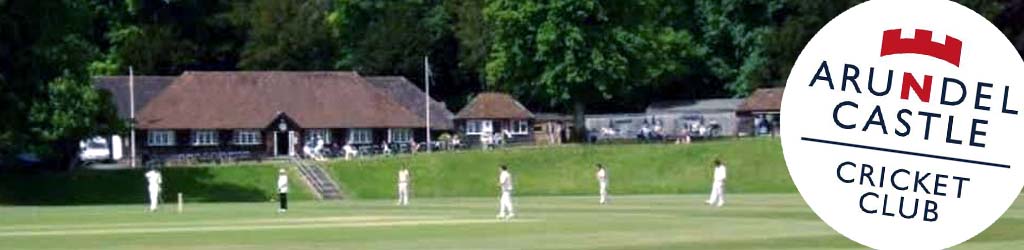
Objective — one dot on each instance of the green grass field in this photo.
(657, 193)
(755, 166)
(233, 183)
(749, 221)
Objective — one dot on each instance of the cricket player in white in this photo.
(154, 179)
(717, 198)
(403, 186)
(505, 210)
(282, 190)
(602, 181)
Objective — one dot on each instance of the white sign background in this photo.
(854, 37)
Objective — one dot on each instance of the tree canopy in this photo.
(554, 55)
(46, 97)
(577, 52)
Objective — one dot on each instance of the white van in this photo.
(100, 149)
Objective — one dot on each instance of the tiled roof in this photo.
(412, 98)
(146, 88)
(763, 100)
(493, 105)
(253, 99)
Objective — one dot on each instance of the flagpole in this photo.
(131, 104)
(426, 99)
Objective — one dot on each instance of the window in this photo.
(520, 127)
(160, 138)
(401, 135)
(472, 127)
(96, 143)
(360, 136)
(324, 134)
(204, 137)
(247, 137)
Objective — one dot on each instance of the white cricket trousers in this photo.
(505, 209)
(604, 192)
(717, 194)
(154, 197)
(403, 194)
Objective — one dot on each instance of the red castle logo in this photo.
(921, 44)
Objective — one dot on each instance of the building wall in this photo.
(541, 129)
(629, 125)
(498, 125)
(183, 143)
(747, 125)
(183, 147)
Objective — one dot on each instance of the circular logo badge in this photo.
(902, 124)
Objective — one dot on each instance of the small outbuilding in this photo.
(552, 128)
(491, 116)
(717, 116)
(759, 113)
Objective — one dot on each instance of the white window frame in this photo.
(360, 136)
(324, 134)
(473, 127)
(205, 137)
(160, 138)
(400, 135)
(519, 127)
(247, 137)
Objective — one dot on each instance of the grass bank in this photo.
(248, 183)
(755, 165)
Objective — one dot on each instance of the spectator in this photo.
(350, 152)
(414, 147)
(385, 149)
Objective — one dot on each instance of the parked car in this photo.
(99, 149)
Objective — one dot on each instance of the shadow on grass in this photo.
(119, 187)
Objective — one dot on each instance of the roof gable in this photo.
(493, 105)
(412, 98)
(763, 100)
(146, 88)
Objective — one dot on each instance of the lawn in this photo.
(755, 166)
(749, 221)
(235, 183)
(657, 191)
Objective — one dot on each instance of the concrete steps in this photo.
(319, 180)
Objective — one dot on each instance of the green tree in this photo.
(799, 21)
(473, 35)
(286, 35)
(47, 101)
(389, 37)
(159, 37)
(735, 33)
(576, 53)
(393, 37)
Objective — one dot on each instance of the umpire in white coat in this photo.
(403, 186)
(155, 180)
(282, 190)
